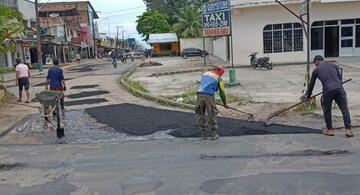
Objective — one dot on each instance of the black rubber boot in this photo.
(214, 135)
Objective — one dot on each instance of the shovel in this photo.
(268, 122)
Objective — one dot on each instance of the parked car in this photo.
(139, 52)
(187, 52)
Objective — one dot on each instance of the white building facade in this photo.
(264, 26)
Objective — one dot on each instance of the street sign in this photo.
(303, 7)
(216, 19)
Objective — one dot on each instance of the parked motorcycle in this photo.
(260, 62)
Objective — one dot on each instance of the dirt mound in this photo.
(150, 63)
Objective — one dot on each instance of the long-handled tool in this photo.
(269, 123)
(250, 116)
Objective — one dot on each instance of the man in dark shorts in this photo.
(55, 78)
(23, 79)
(330, 77)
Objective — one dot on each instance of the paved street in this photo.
(120, 144)
(269, 164)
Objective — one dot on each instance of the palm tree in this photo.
(188, 23)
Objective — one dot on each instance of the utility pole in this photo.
(117, 37)
(38, 38)
(304, 10)
(308, 42)
(123, 41)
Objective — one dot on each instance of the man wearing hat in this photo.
(210, 83)
(330, 77)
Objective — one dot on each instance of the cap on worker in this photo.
(220, 69)
(318, 58)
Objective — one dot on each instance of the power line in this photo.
(119, 15)
(121, 10)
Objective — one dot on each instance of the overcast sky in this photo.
(114, 13)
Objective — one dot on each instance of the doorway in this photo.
(332, 41)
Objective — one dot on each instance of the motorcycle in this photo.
(260, 62)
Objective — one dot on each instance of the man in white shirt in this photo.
(22, 79)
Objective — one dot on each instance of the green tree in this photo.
(152, 21)
(188, 22)
(172, 7)
(11, 23)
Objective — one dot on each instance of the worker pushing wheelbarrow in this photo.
(51, 102)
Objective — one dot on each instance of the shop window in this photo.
(286, 37)
(350, 21)
(331, 22)
(347, 43)
(358, 36)
(277, 41)
(288, 40)
(317, 38)
(298, 40)
(267, 42)
(318, 23)
(347, 31)
(268, 27)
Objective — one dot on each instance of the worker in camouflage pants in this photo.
(211, 82)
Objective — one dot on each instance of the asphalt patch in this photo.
(87, 94)
(84, 86)
(10, 166)
(140, 120)
(84, 102)
(87, 68)
(44, 83)
(292, 154)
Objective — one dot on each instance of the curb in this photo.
(201, 69)
(2, 94)
(191, 70)
(149, 97)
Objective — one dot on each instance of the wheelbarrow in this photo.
(51, 102)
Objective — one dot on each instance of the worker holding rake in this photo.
(210, 83)
(330, 77)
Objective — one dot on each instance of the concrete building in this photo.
(62, 33)
(265, 27)
(25, 44)
(86, 19)
(198, 43)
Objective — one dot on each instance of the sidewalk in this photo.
(347, 61)
(260, 92)
(8, 77)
